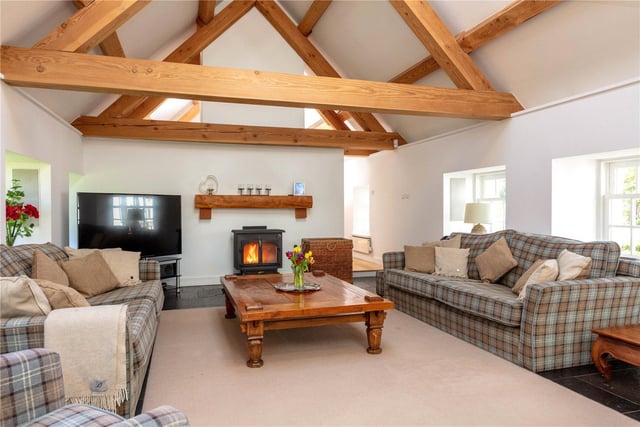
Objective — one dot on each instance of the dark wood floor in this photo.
(622, 393)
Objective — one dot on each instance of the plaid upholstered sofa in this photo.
(144, 304)
(32, 393)
(550, 328)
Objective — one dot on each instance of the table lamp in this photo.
(478, 214)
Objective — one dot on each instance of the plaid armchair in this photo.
(32, 392)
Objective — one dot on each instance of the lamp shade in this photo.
(477, 213)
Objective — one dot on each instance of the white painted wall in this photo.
(574, 197)
(178, 168)
(526, 144)
(253, 44)
(30, 130)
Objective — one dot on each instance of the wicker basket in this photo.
(332, 255)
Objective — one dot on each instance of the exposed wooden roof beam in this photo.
(90, 25)
(315, 12)
(436, 37)
(105, 74)
(191, 113)
(151, 104)
(309, 54)
(233, 134)
(499, 23)
(331, 118)
(111, 44)
(206, 11)
(126, 105)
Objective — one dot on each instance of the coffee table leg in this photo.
(255, 335)
(231, 311)
(374, 322)
(599, 355)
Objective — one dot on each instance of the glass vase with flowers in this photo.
(18, 215)
(300, 262)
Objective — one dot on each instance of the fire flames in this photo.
(251, 253)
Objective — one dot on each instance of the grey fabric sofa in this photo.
(550, 328)
(144, 304)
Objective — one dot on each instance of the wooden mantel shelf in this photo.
(205, 203)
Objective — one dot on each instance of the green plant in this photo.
(18, 215)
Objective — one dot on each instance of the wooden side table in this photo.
(621, 342)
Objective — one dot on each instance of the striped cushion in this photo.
(412, 282)
(488, 300)
(151, 290)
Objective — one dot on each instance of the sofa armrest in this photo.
(166, 416)
(149, 269)
(628, 266)
(558, 317)
(21, 333)
(31, 385)
(393, 260)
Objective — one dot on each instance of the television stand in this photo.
(169, 269)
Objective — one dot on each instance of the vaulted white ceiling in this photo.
(571, 49)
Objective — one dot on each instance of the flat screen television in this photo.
(147, 223)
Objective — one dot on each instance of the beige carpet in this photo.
(323, 376)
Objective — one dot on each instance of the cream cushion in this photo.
(21, 296)
(79, 253)
(496, 261)
(523, 279)
(451, 262)
(545, 271)
(423, 258)
(60, 296)
(44, 267)
(420, 258)
(90, 275)
(125, 265)
(573, 266)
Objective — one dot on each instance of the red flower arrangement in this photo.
(18, 214)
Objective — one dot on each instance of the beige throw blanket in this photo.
(91, 342)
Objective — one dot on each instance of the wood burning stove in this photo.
(257, 250)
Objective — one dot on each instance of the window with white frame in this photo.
(621, 206)
(474, 186)
(491, 188)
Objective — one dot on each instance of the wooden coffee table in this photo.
(621, 342)
(262, 307)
